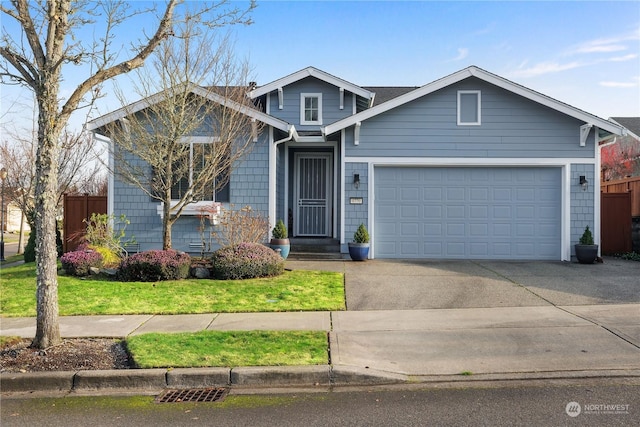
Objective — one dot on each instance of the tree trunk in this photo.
(166, 224)
(47, 324)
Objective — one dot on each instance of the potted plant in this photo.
(280, 240)
(359, 248)
(586, 250)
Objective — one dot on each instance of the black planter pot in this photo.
(359, 251)
(586, 254)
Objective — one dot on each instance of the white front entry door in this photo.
(312, 194)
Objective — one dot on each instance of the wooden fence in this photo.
(627, 185)
(76, 210)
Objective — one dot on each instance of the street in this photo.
(593, 402)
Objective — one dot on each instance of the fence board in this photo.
(76, 210)
(615, 223)
(630, 185)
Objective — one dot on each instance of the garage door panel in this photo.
(501, 213)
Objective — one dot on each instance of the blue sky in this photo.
(584, 53)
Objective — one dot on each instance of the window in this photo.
(198, 155)
(311, 108)
(468, 107)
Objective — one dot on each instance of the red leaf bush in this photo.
(246, 261)
(79, 263)
(155, 265)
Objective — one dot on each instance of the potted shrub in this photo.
(586, 250)
(280, 240)
(359, 248)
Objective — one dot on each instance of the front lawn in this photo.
(229, 349)
(292, 291)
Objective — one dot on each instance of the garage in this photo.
(467, 212)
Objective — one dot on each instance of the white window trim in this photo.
(479, 106)
(303, 96)
(191, 141)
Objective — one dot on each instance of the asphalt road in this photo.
(593, 403)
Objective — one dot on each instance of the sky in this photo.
(583, 53)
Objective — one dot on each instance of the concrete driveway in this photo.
(409, 285)
(424, 318)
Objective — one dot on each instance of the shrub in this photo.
(151, 266)
(361, 235)
(587, 237)
(279, 231)
(240, 225)
(79, 263)
(109, 257)
(30, 249)
(246, 261)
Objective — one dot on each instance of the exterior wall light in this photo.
(584, 183)
(356, 180)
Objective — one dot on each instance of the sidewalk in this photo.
(376, 347)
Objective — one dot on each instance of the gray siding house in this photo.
(470, 166)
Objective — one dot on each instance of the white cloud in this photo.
(545, 68)
(606, 45)
(618, 84)
(623, 58)
(463, 52)
(597, 48)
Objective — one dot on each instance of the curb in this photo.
(317, 376)
(158, 379)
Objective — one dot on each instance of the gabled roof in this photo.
(631, 123)
(387, 93)
(310, 72)
(486, 76)
(198, 90)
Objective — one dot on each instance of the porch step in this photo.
(312, 249)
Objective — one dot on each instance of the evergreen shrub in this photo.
(155, 265)
(246, 261)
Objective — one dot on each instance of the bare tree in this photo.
(46, 46)
(156, 148)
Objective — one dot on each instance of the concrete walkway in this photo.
(410, 321)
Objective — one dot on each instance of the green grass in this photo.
(229, 349)
(291, 291)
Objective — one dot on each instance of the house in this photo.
(470, 166)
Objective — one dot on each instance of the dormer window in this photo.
(311, 109)
(469, 108)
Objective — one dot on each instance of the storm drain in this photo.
(192, 395)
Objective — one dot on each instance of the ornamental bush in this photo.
(79, 263)
(246, 261)
(151, 266)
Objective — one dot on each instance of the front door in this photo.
(312, 194)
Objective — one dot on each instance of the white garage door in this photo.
(467, 213)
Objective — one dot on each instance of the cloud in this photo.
(544, 68)
(618, 84)
(463, 52)
(606, 45)
(623, 58)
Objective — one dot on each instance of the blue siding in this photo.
(512, 126)
(331, 111)
(249, 184)
(582, 203)
(354, 215)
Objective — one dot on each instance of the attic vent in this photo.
(192, 395)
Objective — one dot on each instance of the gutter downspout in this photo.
(272, 171)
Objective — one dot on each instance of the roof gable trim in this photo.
(310, 72)
(198, 90)
(474, 71)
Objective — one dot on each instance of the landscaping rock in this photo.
(201, 273)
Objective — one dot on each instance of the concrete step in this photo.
(311, 245)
